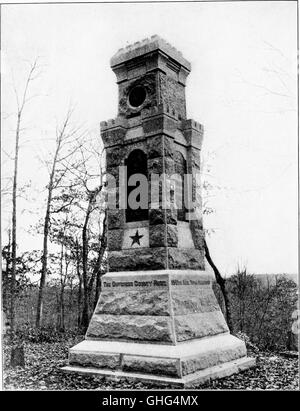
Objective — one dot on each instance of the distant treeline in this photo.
(261, 307)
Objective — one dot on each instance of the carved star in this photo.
(136, 238)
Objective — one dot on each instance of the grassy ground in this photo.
(43, 364)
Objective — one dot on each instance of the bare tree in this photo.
(65, 276)
(88, 269)
(102, 248)
(92, 202)
(21, 104)
(78, 272)
(87, 286)
(68, 141)
(77, 199)
(222, 283)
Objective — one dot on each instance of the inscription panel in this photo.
(142, 282)
(136, 284)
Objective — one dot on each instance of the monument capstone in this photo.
(157, 318)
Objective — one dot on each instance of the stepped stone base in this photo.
(160, 326)
(183, 365)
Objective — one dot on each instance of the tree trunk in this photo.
(21, 106)
(61, 294)
(79, 299)
(46, 231)
(8, 258)
(96, 274)
(58, 320)
(6, 279)
(14, 232)
(103, 243)
(85, 250)
(70, 306)
(79, 294)
(44, 257)
(85, 311)
(221, 281)
(62, 309)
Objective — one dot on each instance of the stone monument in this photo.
(157, 318)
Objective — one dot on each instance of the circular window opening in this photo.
(137, 96)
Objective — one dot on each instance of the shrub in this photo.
(43, 334)
(249, 345)
(262, 310)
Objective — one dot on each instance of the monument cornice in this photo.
(146, 47)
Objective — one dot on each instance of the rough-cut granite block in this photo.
(99, 360)
(191, 299)
(131, 327)
(199, 325)
(152, 365)
(213, 356)
(134, 302)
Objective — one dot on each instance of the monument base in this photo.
(184, 365)
(164, 327)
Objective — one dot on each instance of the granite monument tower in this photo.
(157, 318)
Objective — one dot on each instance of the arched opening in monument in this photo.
(180, 188)
(137, 164)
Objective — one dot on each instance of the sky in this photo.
(242, 88)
